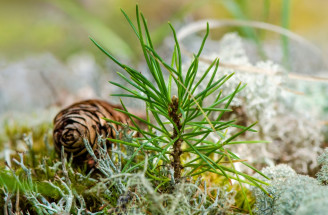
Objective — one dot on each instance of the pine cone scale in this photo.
(84, 120)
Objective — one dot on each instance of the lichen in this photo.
(290, 193)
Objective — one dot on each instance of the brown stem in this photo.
(176, 118)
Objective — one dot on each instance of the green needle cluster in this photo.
(179, 124)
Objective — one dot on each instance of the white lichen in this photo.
(290, 193)
(283, 115)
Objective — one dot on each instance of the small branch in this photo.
(176, 118)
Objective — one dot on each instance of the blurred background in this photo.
(30, 27)
(47, 60)
(51, 37)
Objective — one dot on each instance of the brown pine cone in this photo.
(84, 120)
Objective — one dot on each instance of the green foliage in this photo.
(13, 131)
(178, 123)
(285, 17)
(240, 10)
(51, 187)
(158, 172)
(94, 26)
(57, 187)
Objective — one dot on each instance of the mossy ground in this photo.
(47, 176)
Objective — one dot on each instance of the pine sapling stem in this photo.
(176, 118)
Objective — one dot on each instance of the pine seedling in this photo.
(178, 118)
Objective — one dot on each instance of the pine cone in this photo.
(84, 120)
